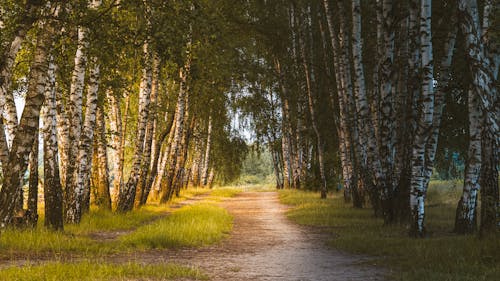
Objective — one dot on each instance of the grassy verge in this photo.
(196, 225)
(37, 242)
(442, 256)
(86, 271)
(224, 192)
(75, 239)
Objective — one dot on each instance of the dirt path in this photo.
(265, 245)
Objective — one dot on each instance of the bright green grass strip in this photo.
(225, 192)
(86, 271)
(443, 256)
(197, 225)
(39, 241)
(100, 220)
(104, 220)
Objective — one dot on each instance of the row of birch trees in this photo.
(130, 101)
(355, 91)
(127, 100)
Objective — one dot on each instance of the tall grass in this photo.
(442, 256)
(40, 241)
(76, 239)
(86, 271)
(196, 225)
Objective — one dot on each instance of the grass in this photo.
(225, 192)
(442, 256)
(76, 239)
(86, 271)
(191, 226)
(103, 220)
(43, 242)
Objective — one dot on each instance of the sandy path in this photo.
(265, 245)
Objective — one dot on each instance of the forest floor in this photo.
(265, 245)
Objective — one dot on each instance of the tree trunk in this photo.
(465, 221)
(206, 160)
(484, 90)
(342, 91)
(62, 128)
(52, 187)
(141, 195)
(100, 163)
(424, 129)
(127, 197)
(489, 184)
(116, 131)
(175, 146)
(81, 194)
(32, 212)
(365, 122)
(310, 81)
(25, 135)
(72, 204)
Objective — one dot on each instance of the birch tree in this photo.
(424, 129)
(53, 193)
(127, 196)
(28, 125)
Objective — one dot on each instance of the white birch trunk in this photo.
(206, 160)
(126, 198)
(84, 158)
(115, 127)
(29, 124)
(418, 188)
(53, 193)
(175, 145)
(75, 125)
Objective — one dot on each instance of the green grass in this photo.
(76, 239)
(442, 256)
(43, 242)
(86, 271)
(101, 220)
(193, 226)
(225, 192)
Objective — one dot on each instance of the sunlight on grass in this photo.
(39, 241)
(86, 271)
(100, 220)
(443, 256)
(225, 192)
(196, 225)
(75, 239)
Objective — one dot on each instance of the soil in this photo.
(265, 245)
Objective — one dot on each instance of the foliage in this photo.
(257, 167)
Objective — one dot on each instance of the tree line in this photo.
(133, 100)
(356, 92)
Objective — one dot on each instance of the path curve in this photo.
(264, 245)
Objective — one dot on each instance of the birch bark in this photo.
(52, 187)
(424, 129)
(29, 123)
(206, 160)
(127, 197)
